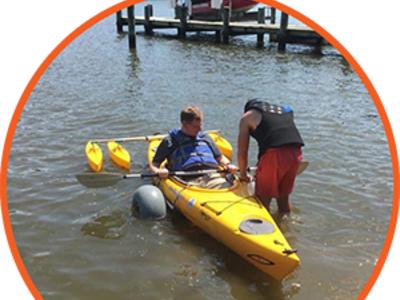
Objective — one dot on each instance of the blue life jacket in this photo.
(190, 152)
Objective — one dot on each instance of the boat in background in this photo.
(210, 9)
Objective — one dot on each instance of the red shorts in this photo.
(277, 170)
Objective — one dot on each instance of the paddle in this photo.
(146, 138)
(303, 165)
(105, 179)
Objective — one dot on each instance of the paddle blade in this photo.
(303, 165)
(98, 180)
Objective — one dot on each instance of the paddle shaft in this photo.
(173, 173)
(104, 179)
(303, 166)
(94, 180)
(146, 138)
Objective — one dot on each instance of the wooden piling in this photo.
(273, 15)
(218, 36)
(226, 14)
(260, 20)
(131, 27)
(148, 12)
(183, 11)
(119, 22)
(177, 12)
(318, 47)
(282, 33)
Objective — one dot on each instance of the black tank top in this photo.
(276, 128)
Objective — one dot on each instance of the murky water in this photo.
(79, 243)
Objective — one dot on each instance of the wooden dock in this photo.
(282, 33)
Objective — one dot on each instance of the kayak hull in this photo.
(235, 218)
(224, 146)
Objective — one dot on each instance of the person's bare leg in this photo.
(284, 206)
(265, 201)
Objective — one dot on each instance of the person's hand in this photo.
(231, 168)
(163, 173)
(245, 177)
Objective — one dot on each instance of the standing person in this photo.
(279, 151)
(189, 148)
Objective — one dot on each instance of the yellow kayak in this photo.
(224, 146)
(235, 218)
(94, 156)
(119, 155)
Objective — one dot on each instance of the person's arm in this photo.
(159, 157)
(220, 158)
(243, 147)
(160, 171)
(249, 121)
(225, 162)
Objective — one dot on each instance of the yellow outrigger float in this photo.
(233, 217)
(119, 155)
(94, 156)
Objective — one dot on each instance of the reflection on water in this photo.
(106, 226)
(85, 243)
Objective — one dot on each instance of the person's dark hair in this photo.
(190, 113)
(250, 103)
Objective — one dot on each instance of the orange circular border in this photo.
(113, 9)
